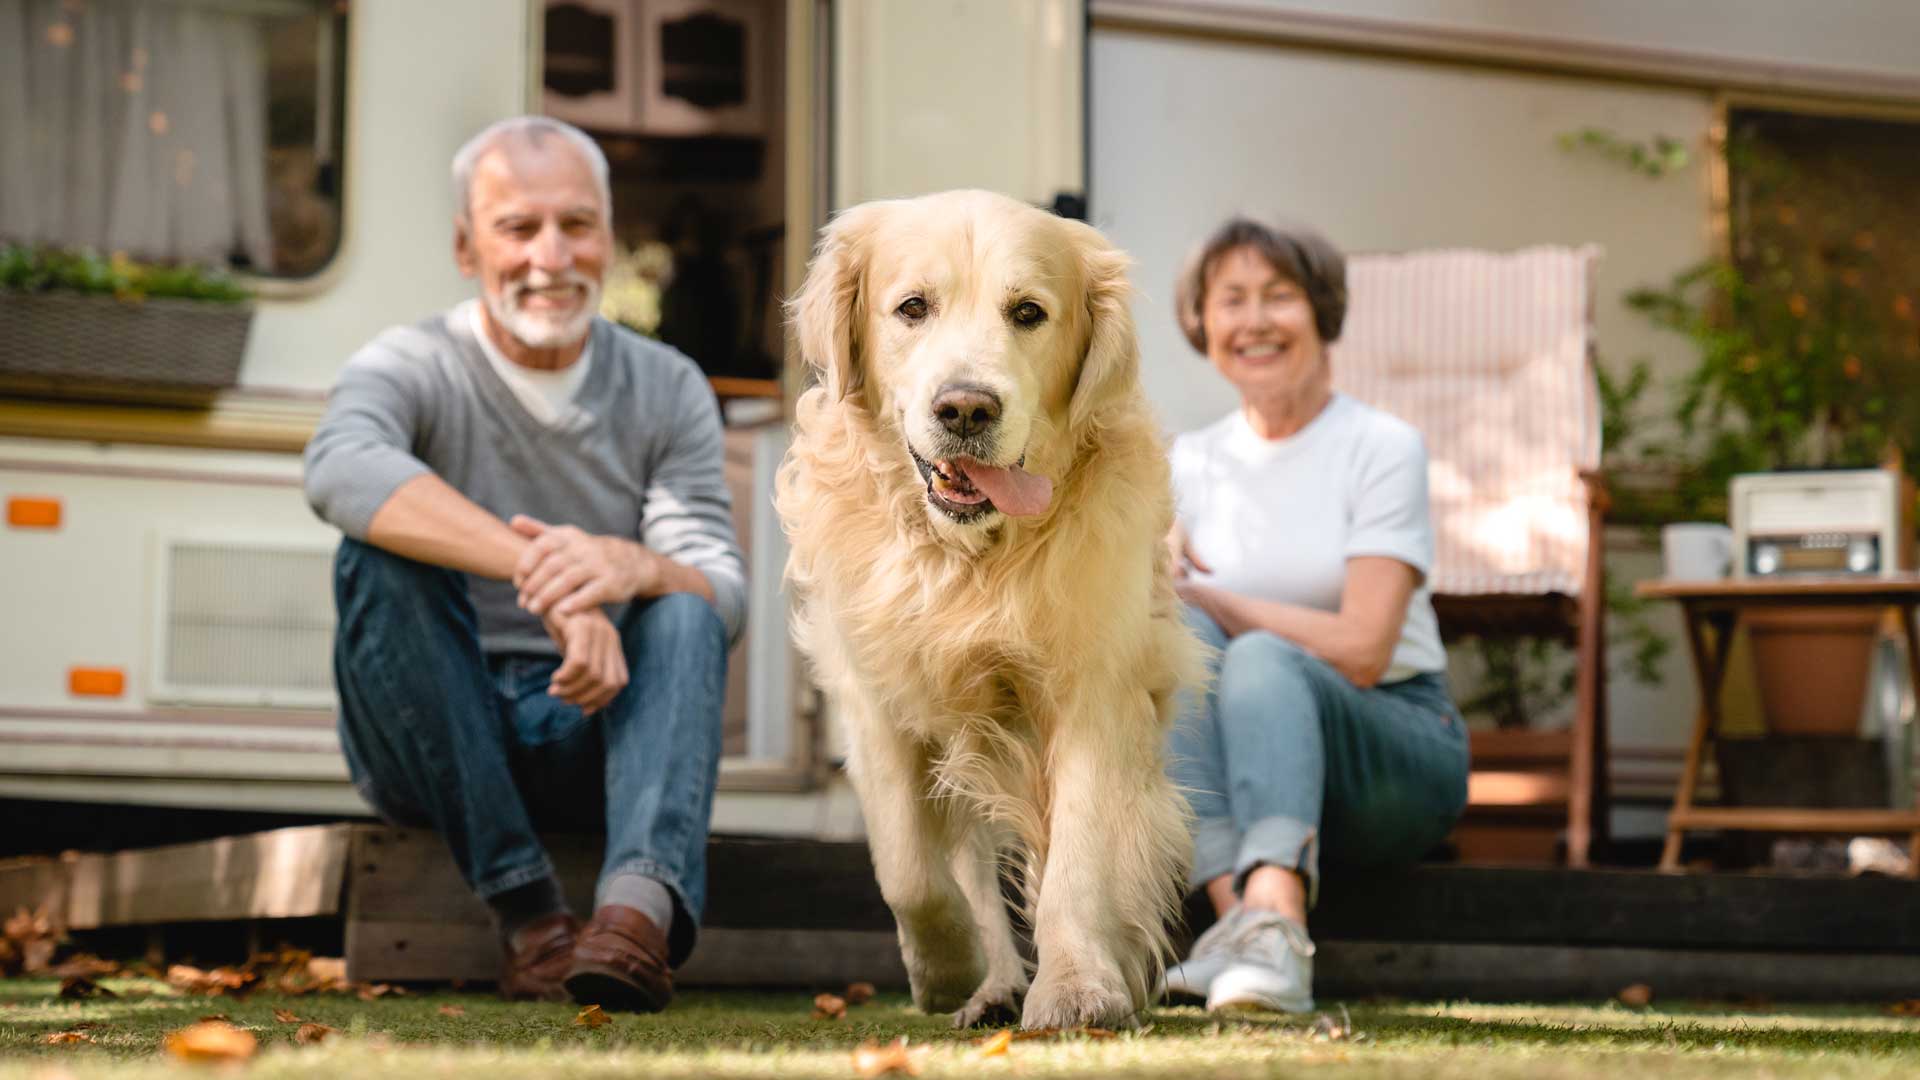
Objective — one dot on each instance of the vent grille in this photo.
(249, 624)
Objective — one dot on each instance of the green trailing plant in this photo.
(1808, 347)
(1806, 334)
(1655, 158)
(46, 269)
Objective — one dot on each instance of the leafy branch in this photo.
(1654, 159)
(46, 269)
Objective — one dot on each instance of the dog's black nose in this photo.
(966, 408)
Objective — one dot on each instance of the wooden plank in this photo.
(1351, 969)
(409, 875)
(284, 873)
(429, 951)
(1519, 747)
(822, 959)
(751, 883)
(1795, 819)
(421, 950)
(411, 917)
(35, 883)
(1901, 588)
(1455, 904)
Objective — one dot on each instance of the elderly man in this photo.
(539, 579)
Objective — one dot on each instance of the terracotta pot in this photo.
(1812, 666)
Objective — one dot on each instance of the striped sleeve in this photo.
(688, 512)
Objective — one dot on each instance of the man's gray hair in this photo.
(532, 130)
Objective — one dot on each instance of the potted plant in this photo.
(1808, 359)
(76, 315)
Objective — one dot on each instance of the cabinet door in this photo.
(959, 93)
(589, 63)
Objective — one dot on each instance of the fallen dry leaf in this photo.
(592, 1017)
(1637, 996)
(79, 988)
(379, 990)
(24, 925)
(996, 1044)
(829, 1007)
(62, 1038)
(1909, 1007)
(211, 1040)
(285, 1016)
(859, 993)
(314, 1034)
(1327, 1029)
(221, 1017)
(873, 1059)
(222, 980)
(37, 955)
(1050, 1033)
(452, 1010)
(86, 964)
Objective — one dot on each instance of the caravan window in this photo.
(205, 131)
(1821, 214)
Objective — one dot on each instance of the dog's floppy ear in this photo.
(1112, 360)
(827, 311)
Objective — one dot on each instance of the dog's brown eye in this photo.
(913, 307)
(1028, 313)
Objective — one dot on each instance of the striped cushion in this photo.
(1487, 354)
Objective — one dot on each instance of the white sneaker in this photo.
(1211, 953)
(1271, 967)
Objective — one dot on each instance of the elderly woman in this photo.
(1301, 546)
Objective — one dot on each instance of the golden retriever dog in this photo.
(976, 496)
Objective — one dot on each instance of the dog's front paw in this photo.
(990, 1006)
(943, 980)
(942, 990)
(943, 958)
(1077, 1000)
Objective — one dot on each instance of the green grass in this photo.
(767, 1034)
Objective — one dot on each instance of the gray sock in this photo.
(643, 894)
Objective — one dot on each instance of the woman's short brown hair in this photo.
(1300, 254)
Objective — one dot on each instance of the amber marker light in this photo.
(29, 512)
(96, 682)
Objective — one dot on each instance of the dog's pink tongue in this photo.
(1013, 489)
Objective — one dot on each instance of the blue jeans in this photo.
(438, 734)
(1282, 752)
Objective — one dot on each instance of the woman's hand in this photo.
(1180, 547)
(1206, 599)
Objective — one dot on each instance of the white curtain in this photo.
(135, 126)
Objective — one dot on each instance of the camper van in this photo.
(165, 593)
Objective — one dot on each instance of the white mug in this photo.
(1696, 551)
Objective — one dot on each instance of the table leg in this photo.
(1913, 686)
(1708, 669)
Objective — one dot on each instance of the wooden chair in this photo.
(1489, 355)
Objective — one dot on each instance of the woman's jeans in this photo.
(1282, 753)
(440, 735)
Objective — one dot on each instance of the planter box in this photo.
(155, 342)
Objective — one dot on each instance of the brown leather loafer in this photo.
(537, 969)
(620, 962)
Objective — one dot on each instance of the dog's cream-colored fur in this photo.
(1005, 683)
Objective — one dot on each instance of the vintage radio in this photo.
(1838, 522)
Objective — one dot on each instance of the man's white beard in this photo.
(537, 330)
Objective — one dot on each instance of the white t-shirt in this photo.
(1277, 519)
(546, 394)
